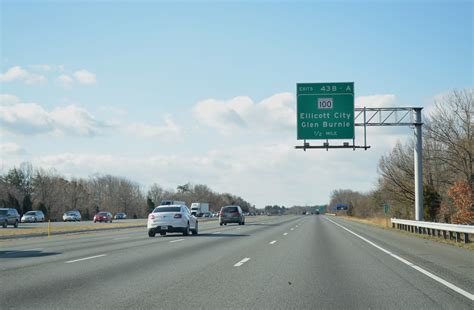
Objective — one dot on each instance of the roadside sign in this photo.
(342, 206)
(325, 111)
(386, 208)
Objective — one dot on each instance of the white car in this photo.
(171, 218)
(70, 216)
(33, 217)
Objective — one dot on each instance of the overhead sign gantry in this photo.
(325, 111)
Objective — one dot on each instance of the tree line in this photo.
(448, 175)
(26, 188)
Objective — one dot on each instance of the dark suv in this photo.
(231, 214)
(9, 216)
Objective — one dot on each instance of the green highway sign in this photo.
(325, 111)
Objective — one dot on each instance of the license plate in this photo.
(164, 227)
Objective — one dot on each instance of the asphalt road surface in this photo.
(284, 262)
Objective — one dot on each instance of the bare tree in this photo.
(450, 128)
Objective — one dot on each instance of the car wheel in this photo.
(240, 223)
(110, 221)
(195, 231)
(220, 224)
(5, 224)
(151, 232)
(35, 220)
(16, 224)
(225, 224)
(163, 233)
(186, 230)
(95, 221)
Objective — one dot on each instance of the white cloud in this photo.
(7, 99)
(13, 73)
(25, 118)
(65, 80)
(18, 73)
(85, 77)
(168, 130)
(32, 119)
(77, 121)
(274, 113)
(10, 148)
(376, 101)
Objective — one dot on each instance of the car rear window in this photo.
(167, 209)
(30, 213)
(3, 212)
(230, 209)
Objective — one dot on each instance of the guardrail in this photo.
(451, 231)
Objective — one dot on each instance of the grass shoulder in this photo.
(385, 224)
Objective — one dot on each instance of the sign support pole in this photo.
(419, 212)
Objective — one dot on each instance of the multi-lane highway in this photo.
(285, 262)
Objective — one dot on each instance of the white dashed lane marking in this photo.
(243, 261)
(85, 258)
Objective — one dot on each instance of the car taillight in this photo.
(151, 216)
(178, 216)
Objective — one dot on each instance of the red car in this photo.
(103, 217)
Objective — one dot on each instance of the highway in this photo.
(282, 262)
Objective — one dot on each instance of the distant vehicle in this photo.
(199, 208)
(9, 216)
(103, 217)
(171, 202)
(72, 216)
(171, 218)
(33, 217)
(207, 214)
(120, 216)
(231, 214)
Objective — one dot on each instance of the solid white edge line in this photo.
(423, 271)
(85, 258)
(243, 261)
(273, 242)
(177, 240)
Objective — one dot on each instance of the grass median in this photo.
(59, 228)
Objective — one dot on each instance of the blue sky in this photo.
(152, 90)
